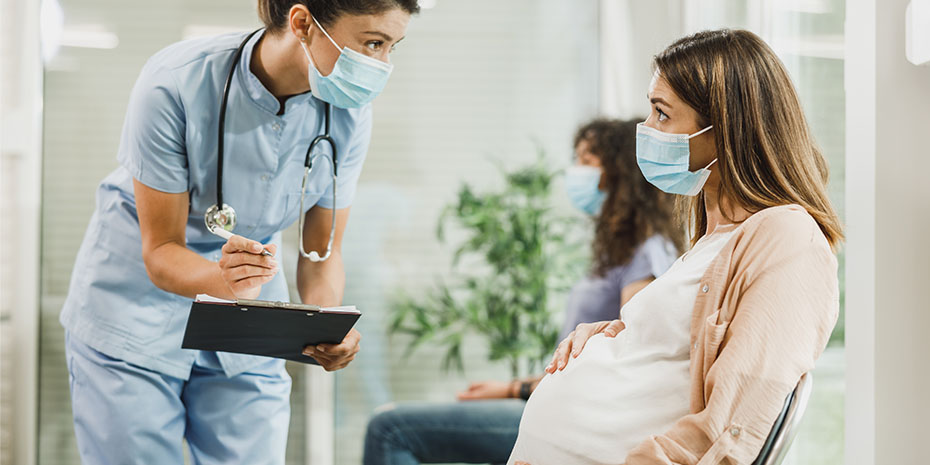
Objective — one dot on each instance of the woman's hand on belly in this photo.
(571, 346)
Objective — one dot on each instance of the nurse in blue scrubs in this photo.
(135, 393)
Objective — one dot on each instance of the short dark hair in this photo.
(274, 12)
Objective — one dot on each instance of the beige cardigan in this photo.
(764, 312)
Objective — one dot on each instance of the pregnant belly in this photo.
(609, 399)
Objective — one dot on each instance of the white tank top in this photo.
(622, 390)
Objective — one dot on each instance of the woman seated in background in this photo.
(637, 237)
(704, 357)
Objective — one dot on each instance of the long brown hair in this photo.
(634, 210)
(766, 153)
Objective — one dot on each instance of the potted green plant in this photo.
(521, 254)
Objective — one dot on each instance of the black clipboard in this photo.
(272, 329)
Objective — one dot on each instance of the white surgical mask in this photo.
(581, 185)
(355, 81)
(665, 160)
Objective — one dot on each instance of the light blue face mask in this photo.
(355, 81)
(581, 184)
(665, 160)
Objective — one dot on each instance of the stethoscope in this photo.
(221, 221)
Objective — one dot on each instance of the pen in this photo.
(226, 235)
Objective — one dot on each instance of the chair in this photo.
(786, 425)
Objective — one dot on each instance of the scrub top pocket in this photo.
(292, 205)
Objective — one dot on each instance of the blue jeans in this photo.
(469, 432)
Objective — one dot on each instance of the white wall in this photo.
(20, 165)
(889, 216)
(631, 33)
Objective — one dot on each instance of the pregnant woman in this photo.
(700, 364)
(637, 237)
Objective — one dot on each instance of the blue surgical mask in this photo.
(355, 81)
(665, 160)
(581, 184)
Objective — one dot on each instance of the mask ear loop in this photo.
(702, 131)
(372, 61)
(306, 49)
(325, 33)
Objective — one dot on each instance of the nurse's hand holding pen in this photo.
(174, 268)
(245, 268)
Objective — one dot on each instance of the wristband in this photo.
(525, 390)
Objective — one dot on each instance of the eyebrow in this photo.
(384, 36)
(657, 100)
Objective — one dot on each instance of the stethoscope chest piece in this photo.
(218, 219)
(222, 218)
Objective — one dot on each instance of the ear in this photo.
(300, 22)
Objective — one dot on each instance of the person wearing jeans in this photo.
(637, 237)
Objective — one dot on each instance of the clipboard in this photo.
(259, 327)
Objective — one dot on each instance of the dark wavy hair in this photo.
(273, 13)
(634, 209)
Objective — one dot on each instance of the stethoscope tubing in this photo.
(220, 136)
(308, 161)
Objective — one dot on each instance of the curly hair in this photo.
(634, 210)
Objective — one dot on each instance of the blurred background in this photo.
(480, 87)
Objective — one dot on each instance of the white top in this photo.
(621, 390)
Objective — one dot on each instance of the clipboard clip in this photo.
(278, 305)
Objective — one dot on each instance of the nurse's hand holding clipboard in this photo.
(323, 282)
(243, 268)
(336, 357)
(246, 265)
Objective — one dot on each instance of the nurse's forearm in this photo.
(321, 283)
(179, 270)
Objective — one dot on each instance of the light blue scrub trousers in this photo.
(125, 414)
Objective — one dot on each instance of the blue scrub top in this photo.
(169, 144)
